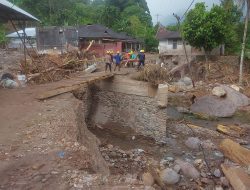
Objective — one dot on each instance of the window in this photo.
(174, 44)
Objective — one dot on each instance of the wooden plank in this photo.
(237, 177)
(235, 152)
(232, 130)
(58, 91)
(71, 87)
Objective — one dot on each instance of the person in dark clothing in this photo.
(141, 57)
(118, 60)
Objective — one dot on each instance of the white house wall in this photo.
(166, 47)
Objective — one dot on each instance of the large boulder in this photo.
(220, 107)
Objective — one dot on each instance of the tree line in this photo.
(129, 16)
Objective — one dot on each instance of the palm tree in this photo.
(244, 3)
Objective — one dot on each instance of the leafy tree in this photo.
(205, 29)
(244, 3)
(172, 27)
(130, 16)
(232, 42)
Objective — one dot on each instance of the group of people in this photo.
(117, 59)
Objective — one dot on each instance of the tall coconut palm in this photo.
(244, 3)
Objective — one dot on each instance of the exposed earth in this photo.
(48, 145)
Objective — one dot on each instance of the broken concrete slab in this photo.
(220, 107)
(237, 177)
(235, 152)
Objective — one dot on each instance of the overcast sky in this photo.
(166, 8)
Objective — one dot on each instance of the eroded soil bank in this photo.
(60, 143)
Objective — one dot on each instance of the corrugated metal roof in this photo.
(8, 11)
(30, 32)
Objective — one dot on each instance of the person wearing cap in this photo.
(108, 60)
(141, 57)
(118, 60)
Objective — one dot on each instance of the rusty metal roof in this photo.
(163, 34)
(9, 11)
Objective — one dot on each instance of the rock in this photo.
(187, 81)
(177, 168)
(217, 173)
(224, 182)
(206, 180)
(44, 136)
(147, 179)
(218, 188)
(188, 169)
(169, 176)
(235, 87)
(91, 68)
(193, 143)
(182, 110)
(133, 138)
(198, 162)
(219, 92)
(220, 107)
(208, 144)
(163, 163)
(149, 188)
(169, 159)
(219, 154)
(110, 146)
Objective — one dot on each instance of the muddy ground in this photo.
(47, 145)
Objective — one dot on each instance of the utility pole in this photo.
(157, 17)
(184, 43)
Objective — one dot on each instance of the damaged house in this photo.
(102, 37)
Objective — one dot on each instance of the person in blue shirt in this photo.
(141, 57)
(118, 60)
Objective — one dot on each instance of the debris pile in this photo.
(54, 67)
(153, 73)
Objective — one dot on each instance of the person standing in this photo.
(141, 57)
(108, 61)
(118, 60)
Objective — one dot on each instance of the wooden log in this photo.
(237, 177)
(71, 87)
(232, 130)
(235, 152)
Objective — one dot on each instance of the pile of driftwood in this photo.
(42, 68)
(54, 67)
(152, 73)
